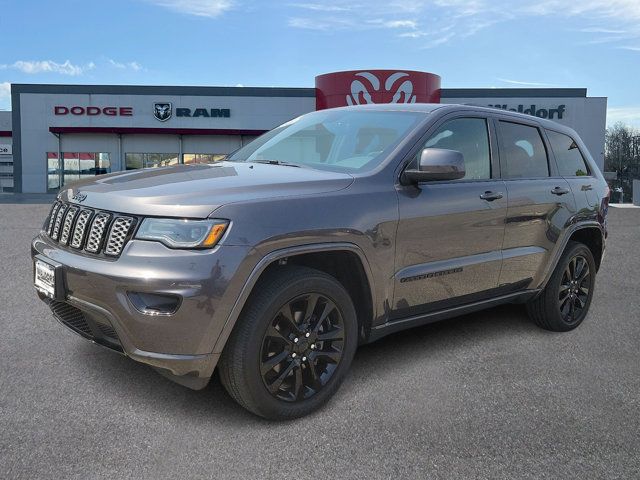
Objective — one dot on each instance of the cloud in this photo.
(528, 84)
(135, 66)
(200, 8)
(319, 7)
(628, 10)
(601, 30)
(321, 24)
(424, 21)
(5, 90)
(629, 115)
(630, 47)
(49, 66)
(400, 24)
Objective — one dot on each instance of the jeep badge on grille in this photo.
(79, 197)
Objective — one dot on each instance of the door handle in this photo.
(560, 191)
(584, 188)
(491, 196)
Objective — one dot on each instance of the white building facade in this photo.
(58, 134)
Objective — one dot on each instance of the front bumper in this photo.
(96, 305)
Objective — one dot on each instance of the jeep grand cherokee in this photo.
(332, 230)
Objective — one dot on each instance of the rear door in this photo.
(574, 169)
(450, 232)
(540, 203)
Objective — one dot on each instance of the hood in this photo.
(197, 190)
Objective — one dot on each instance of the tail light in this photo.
(604, 209)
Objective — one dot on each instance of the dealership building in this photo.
(58, 134)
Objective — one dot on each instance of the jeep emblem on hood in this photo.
(79, 197)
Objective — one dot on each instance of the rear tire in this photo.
(565, 301)
(292, 345)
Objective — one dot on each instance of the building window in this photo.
(75, 166)
(134, 161)
(190, 158)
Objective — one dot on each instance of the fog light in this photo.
(154, 303)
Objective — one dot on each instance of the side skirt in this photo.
(435, 316)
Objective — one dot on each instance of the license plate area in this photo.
(47, 278)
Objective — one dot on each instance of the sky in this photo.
(470, 43)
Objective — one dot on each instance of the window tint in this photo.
(570, 161)
(524, 155)
(336, 140)
(470, 137)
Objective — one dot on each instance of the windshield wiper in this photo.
(276, 162)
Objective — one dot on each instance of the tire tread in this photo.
(231, 367)
(542, 308)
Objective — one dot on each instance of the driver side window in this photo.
(469, 136)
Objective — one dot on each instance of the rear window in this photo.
(524, 152)
(570, 160)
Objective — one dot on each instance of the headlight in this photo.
(179, 233)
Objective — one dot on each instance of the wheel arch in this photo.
(588, 233)
(344, 261)
(592, 237)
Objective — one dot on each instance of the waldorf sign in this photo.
(551, 113)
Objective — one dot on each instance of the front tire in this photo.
(293, 344)
(565, 301)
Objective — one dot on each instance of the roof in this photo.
(278, 91)
(444, 108)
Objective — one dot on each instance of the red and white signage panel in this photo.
(359, 87)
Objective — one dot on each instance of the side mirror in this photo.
(436, 164)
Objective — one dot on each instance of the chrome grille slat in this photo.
(52, 217)
(118, 235)
(81, 227)
(96, 233)
(59, 216)
(68, 222)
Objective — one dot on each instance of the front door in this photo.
(450, 233)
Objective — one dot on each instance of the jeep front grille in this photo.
(68, 221)
(58, 221)
(118, 235)
(96, 234)
(81, 227)
(94, 231)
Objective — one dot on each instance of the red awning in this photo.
(157, 131)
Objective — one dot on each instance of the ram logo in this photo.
(162, 111)
(402, 88)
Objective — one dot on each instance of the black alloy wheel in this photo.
(565, 300)
(575, 288)
(302, 347)
(292, 345)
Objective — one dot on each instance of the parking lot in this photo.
(487, 395)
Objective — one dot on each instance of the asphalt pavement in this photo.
(487, 395)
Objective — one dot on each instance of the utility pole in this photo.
(635, 153)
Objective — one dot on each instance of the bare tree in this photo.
(622, 155)
(621, 148)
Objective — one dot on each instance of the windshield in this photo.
(337, 140)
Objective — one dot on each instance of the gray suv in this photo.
(332, 230)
